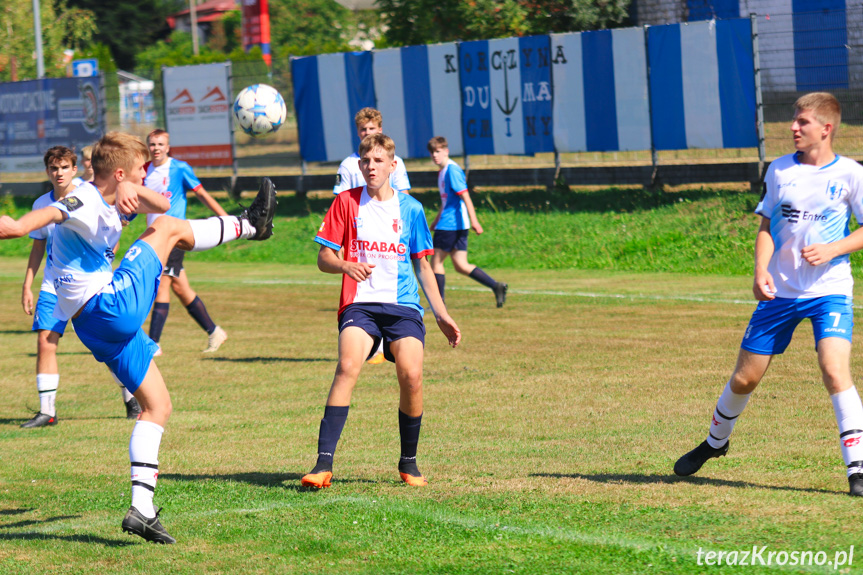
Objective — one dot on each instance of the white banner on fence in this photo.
(198, 113)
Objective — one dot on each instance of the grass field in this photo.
(548, 438)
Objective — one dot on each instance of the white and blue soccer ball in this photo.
(259, 110)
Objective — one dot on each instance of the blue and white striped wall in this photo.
(701, 85)
(576, 92)
(805, 45)
(600, 91)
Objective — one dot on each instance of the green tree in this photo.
(130, 26)
(63, 28)
(410, 22)
(301, 27)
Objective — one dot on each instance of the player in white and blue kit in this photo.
(802, 270)
(61, 166)
(369, 121)
(453, 223)
(173, 178)
(385, 239)
(109, 307)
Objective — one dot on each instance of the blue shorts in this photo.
(450, 240)
(773, 322)
(386, 321)
(43, 317)
(110, 323)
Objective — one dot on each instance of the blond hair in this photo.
(378, 141)
(825, 108)
(87, 152)
(367, 115)
(117, 150)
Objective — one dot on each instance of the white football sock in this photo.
(217, 230)
(728, 408)
(47, 384)
(849, 418)
(126, 395)
(144, 459)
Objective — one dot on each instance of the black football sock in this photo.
(441, 285)
(158, 319)
(198, 311)
(483, 278)
(409, 430)
(328, 437)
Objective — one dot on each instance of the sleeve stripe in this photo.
(422, 254)
(327, 243)
(461, 192)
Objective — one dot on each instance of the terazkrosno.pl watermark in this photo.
(766, 556)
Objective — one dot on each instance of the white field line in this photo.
(490, 525)
(526, 292)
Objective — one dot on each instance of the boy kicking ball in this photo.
(108, 307)
(386, 239)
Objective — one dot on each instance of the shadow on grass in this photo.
(64, 353)
(31, 536)
(268, 359)
(17, 511)
(670, 479)
(14, 331)
(35, 536)
(259, 479)
(32, 522)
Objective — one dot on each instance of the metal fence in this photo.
(799, 53)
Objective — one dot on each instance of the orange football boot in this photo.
(317, 480)
(413, 480)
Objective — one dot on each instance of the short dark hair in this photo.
(58, 153)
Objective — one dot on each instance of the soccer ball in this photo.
(259, 110)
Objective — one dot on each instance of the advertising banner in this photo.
(198, 113)
(38, 114)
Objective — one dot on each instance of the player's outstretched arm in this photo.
(209, 201)
(137, 199)
(763, 287)
(427, 281)
(11, 228)
(329, 262)
(818, 254)
(37, 252)
(471, 213)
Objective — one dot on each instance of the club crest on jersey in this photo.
(835, 190)
(358, 222)
(397, 226)
(72, 203)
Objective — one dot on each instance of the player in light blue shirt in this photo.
(173, 178)
(453, 223)
(802, 271)
(108, 307)
(61, 166)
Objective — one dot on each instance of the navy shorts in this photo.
(110, 322)
(386, 321)
(43, 317)
(773, 322)
(450, 240)
(174, 265)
